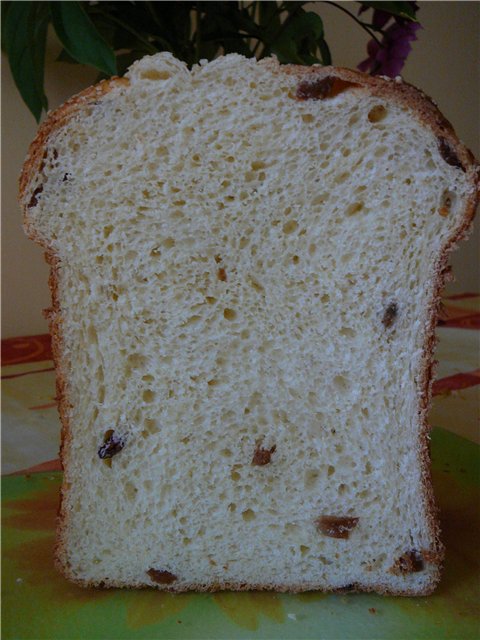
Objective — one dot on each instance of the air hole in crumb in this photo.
(295, 259)
(130, 491)
(347, 332)
(320, 199)
(304, 549)
(354, 208)
(342, 177)
(136, 360)
(377, 113)
(229, 314)
(151, 425)
(340, 383)
(155, 74)
(148, 395)
(308, 117)
(248, 515)
(330, 470)
(290, 226)
(192, 320)
(311, 478)
(256, 285)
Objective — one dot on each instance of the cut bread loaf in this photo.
(246, 266)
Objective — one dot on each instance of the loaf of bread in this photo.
(246, 262)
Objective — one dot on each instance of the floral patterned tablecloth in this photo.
(39, 603)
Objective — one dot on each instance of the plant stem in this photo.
(359, 22)
(281, 8)
(150, 47)
(152, 13)
(198, 32)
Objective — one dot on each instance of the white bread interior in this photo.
(237, 270)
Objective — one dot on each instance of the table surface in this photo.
(39, 603)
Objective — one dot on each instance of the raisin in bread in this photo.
(246, 262)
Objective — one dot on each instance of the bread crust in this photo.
(395, 90)
(242, 586)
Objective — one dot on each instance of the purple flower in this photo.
(388, 57)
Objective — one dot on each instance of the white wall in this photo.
(444, 63)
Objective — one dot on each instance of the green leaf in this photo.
(25, 34)
(80, 37)
(4, 6)
(64, 56)
(299, 39)
(400, 9)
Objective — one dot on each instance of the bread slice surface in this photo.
(246, 266)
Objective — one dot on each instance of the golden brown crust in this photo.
(55, 325)
(400, 92)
